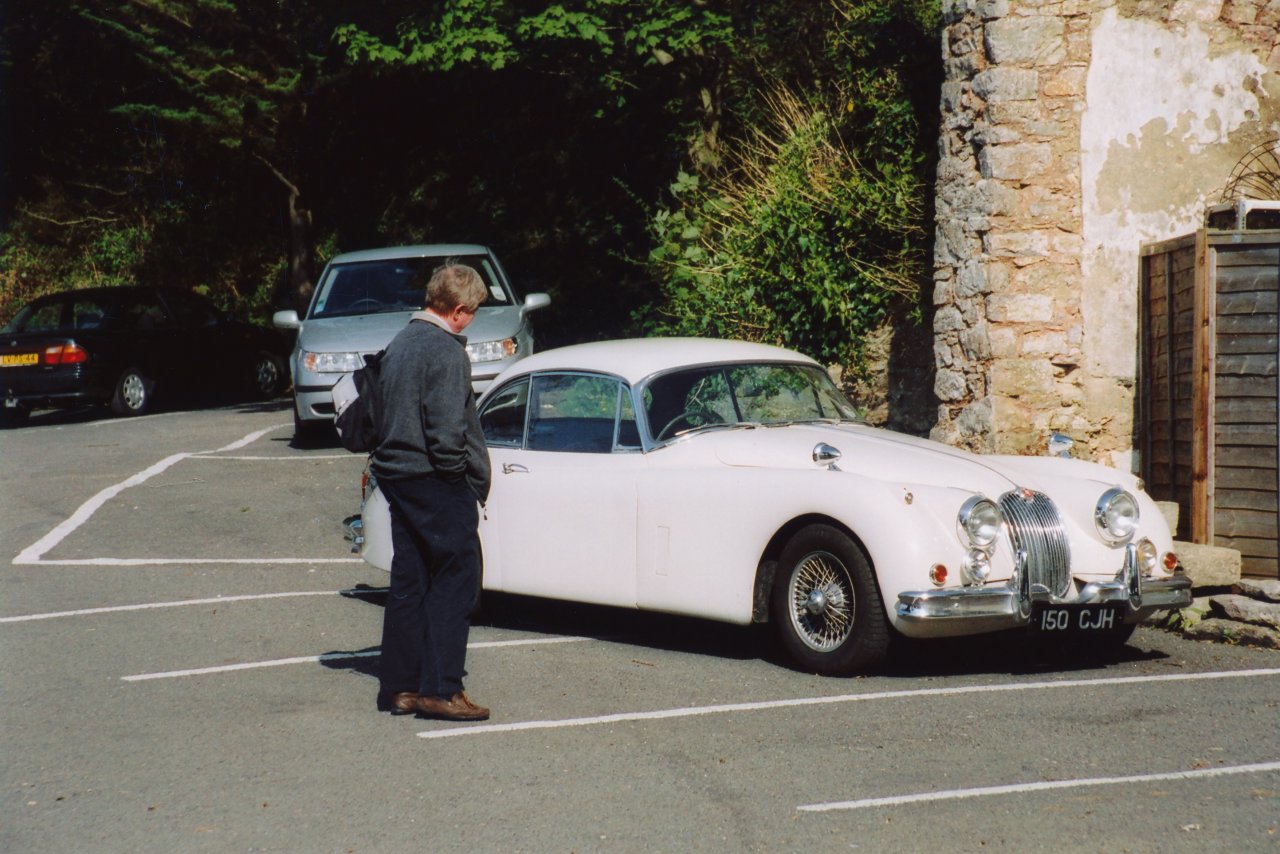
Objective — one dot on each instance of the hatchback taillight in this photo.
(65, 354)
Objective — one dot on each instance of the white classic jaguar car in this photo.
(733, 481)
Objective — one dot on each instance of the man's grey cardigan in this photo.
(428, 422)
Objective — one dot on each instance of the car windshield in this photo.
(725, 395)
(393, 284)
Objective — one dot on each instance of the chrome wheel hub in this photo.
(822, 601)
(134, 392)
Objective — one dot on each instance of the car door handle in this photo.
(514, 468)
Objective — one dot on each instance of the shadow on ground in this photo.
(185, 403)
(1004, 653)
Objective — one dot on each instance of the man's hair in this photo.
(453, 285)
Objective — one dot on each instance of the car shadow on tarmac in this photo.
(89, 413)
(1003, 653)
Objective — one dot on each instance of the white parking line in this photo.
(190, 561)
(1018, 788)
(694, 711)
(213, 455)
(34, 554)
(331, 656)
(145, 606)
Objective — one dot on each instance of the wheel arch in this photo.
(768, 563)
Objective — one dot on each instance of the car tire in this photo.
(268, 375)
(14, 416)
(132, 394)
(308, 434)
(826, 605)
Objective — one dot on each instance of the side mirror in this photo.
(826, 455)
(1060, 445)
(533, 302)
(286, 320)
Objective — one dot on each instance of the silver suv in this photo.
(364, 298)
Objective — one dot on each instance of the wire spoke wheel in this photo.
(822, 601)
(825, 604)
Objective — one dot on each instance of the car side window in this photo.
(191, 311)
(146, 313)
(576, 413)
(503, 416)
(87, 314)
(46, 318)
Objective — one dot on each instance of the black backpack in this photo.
(357, 420)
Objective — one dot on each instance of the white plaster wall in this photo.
(1159, 102)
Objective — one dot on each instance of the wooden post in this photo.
(1202, 396)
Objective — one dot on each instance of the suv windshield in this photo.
(717, 395)
(393, 284)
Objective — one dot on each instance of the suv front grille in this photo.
(1035, 527)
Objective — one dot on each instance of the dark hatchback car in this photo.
(123, 346)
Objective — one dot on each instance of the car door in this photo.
(156, 344)
(561, 517)
(213, 352)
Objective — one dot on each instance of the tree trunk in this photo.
(301, 256)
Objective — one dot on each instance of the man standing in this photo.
(432, 465)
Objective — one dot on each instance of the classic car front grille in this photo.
(1035, 527)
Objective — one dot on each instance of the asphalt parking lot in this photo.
(187, 651)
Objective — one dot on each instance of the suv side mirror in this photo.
(286, 320)
(533, 302)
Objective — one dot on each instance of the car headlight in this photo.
(492, 351)
(976, 568)
(332, 363)
(1148, 556)
(1116, 515)
(980, 520)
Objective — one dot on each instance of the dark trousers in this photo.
(435, 577)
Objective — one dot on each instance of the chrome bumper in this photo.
(353, 532)
(970, 610)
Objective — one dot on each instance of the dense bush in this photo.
(795, 243)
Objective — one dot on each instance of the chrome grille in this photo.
(1035, 527)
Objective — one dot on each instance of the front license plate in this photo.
(14, 360)
(1073, 619)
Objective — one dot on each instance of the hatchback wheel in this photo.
(268, 375)
(13, 416)
(826, 604)
(133, 393)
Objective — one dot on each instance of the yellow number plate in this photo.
(14, 360)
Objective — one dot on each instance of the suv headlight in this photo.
(332, 363)
(1116, 516)
(492, 351)
(980, 520)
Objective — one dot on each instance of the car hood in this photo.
(368, 333)
(899, 458)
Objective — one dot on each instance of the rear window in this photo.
(65, 314)
(398, 284)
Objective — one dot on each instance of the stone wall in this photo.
(1072, 133)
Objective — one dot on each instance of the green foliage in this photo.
(797, 243)
(811, 230)
(496, 34)
(215, 144)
